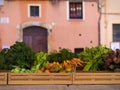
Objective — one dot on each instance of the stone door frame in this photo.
(20, 28)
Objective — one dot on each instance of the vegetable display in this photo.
(3, 65)
(19, 55)
(61, 55)
(113, 60)
(21, 59)
(94, 58)
(40, 61)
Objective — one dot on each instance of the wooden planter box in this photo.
(39, 78)
(64, 78)
(3, 78)
(96, 78)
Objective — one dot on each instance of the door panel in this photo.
(36, 38)
(40, 42)
(28, 40)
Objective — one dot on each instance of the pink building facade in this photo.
(50, 25)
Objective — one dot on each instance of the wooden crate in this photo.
(96, 78)
(3, 78)
(39, 78)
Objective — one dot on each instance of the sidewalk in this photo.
(60, 87)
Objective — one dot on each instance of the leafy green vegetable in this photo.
(20, 70)
(94, 57)
(2, 62)
(40, 61)
(19, 55)
(112, 61)
(61, 55)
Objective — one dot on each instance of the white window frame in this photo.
(34, 5)
(83, 7)
(113, 30)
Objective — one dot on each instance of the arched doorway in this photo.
(25, 25)
(36, 37)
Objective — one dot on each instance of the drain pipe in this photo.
(99, 19)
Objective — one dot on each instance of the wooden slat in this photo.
(3, 78)
(96, 78)
(64, 78)
(40, 78)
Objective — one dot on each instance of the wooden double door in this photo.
(36, 38)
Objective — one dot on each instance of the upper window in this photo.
(116, 32)
(75, 9)
(34, 10)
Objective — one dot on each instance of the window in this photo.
(116, 32)
(78, 50)
(75, 9)
(34, 10)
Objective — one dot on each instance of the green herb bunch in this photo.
(19, 55)
(94, 58)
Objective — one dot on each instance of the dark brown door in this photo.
(36, 38)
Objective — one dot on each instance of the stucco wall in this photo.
(110, 16)
(65, 33)
(9, 10)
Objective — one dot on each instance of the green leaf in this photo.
(87, 66)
